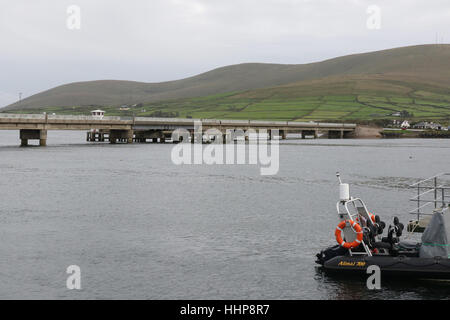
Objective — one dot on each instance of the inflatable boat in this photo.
(361, 244)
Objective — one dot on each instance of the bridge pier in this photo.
(153, 135)
(33, 134)
(139, 136)
(309, 133)
(121, 136)
(228, 136)
(337, 134)
(97, 135)
(196, 137)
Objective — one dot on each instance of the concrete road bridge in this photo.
(140, 129)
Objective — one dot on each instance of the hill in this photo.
(362, 86)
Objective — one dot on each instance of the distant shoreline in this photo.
(374, 132)
(427, 134)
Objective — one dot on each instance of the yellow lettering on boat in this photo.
(352, 263)
(361, 264)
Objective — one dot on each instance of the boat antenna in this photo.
(338, 175)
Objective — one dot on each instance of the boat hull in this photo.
(401, 266)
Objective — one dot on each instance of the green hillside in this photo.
(412, 80)
(339, 98)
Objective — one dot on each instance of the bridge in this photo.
(139, 129)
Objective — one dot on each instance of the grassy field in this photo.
(319, 108)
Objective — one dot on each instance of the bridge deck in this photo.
(68, 122)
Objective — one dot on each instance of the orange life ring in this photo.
(356, 227)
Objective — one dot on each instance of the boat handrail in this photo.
(437, 188)
(430, 178)
(347, 212)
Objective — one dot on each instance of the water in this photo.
(142, 228)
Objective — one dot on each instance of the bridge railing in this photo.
(81, 117)
(59, 117)
(174, 120)
(21, 116)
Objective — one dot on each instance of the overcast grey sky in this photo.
(159, 40)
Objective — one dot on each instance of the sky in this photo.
(48, 43)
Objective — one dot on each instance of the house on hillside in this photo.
(428, 125)
(405, 125)
(396, 123)
(436, 126)
(421, 125)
